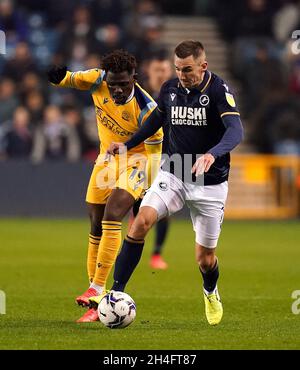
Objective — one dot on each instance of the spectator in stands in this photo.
(73, 118)
(21, 63)
(275, 125)
(57, 12)
(31, 81)
(35, 103)
(109, 38)
(8, 99)
(256, 19)
(18, 139)
(91, 132)
(13, 22)
(252, 27)
(148, 42)
(54, 139)
(159, 69)
(144, 28)
(107, 11)
(263, 71)
(79, 38)
(92, 61)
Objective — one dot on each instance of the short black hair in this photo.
(119, 61)
(189, 47)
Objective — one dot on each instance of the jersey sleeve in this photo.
(161, 99)
(157, 138)
(90, 79)
(225, 100)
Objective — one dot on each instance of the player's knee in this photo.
(206, 258)
(145, 223)
(96, 227)
(141, 226)
(95, 214)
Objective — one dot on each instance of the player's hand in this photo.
(203, 164)
(56, 74)
(116, 148)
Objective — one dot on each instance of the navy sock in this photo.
(126, 262)
(210, 278)
(161, 233)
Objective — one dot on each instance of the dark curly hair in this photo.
(119, 61)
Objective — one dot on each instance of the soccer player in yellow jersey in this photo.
(121, 107)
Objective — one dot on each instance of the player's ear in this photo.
(204, 66)
(135, 76)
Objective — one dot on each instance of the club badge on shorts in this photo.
(163, 186)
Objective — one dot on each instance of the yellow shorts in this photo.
(107, 176)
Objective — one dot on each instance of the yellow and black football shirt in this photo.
(115, 122)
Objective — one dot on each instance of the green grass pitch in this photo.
(42, 270)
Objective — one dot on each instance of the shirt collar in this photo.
(130, 96)
(203, 84)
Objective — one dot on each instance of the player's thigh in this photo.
(207, 228)
(100, 185)
(166, 195)
(118, 204)
(207, 215)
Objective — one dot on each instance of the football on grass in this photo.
(116, 310)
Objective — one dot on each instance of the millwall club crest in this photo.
(163, 186)
(204, 100)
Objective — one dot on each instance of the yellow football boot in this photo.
(94, 301)
(213, 307)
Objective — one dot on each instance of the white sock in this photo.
(212, 292)
(98, 288)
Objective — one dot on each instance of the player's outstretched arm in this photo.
(152, 124)
(81, 80)
(56, 74)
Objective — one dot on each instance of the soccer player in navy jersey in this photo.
(204, 127)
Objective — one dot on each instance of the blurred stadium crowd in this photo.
(40, 122)
(260, 32)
